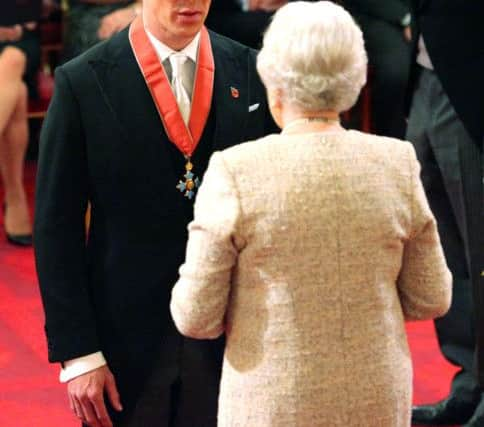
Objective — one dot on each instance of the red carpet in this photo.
(30, 395)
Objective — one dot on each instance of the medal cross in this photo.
(190, 184)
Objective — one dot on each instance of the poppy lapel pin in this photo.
(234, 92)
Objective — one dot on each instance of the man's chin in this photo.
(188, 33)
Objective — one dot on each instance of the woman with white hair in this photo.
(311, 248)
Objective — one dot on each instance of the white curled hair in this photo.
(314, 54)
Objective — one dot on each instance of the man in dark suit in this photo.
(447, 128)
(386, 28)
(130, 130)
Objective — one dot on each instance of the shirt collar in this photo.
(163, 51)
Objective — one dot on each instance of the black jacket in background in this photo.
(453, 34)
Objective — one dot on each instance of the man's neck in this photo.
(176, 43)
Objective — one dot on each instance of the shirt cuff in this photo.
(81, 365)
(406, 20)
(244, 4)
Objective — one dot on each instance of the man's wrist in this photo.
(81, 365)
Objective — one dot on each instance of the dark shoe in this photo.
(17, 239)
(445, 412)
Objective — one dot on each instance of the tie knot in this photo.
(177, 61)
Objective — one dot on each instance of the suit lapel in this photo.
(124, 90)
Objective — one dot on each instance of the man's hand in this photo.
(86, 396)
(266, 5)
(11, 34)
(115, 21)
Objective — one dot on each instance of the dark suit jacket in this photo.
(225, 5)
(391, 11)
(17, 12)
(389, 57)
(452, 31)
(227, 18)
(103, 142)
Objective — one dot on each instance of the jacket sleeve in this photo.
(225, 5)
(424, 282)
(392, 11)
(59, 228)
(200, 297)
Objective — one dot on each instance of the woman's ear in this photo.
(274, 98)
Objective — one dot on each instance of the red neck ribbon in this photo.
(184, 137)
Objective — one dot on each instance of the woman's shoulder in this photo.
(378, 143)
(371, 138)
(255, 147)
(374, 148)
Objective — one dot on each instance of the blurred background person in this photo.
(90, 21)
(14, 137)
(386, 28)
(242, 20)
(19, 63)
(312, 289)
(19, 28)
(446, 127)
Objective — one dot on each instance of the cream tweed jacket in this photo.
(310, 251)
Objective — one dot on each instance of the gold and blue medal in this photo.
(185, 136)
(191, 182)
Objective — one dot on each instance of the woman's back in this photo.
(311, 248)
(315, 323)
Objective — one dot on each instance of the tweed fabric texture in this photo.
(310, 251)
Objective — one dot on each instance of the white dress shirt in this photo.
(164, 52)
(423, 57)
(81, 365)
(244, 4)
